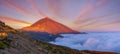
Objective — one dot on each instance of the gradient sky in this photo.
(81, 15)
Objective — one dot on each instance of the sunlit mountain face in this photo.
(50, 26)
(81, 15)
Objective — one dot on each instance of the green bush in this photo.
(3, 45)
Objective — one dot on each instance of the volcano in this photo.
(50, 26)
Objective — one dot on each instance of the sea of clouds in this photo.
(107, 41)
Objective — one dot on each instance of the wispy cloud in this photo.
(102, 19)
(90, 7)
(54, 6)
(19, 8)
(37, 8)
(10, 19)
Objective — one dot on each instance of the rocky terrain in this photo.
(17, 43)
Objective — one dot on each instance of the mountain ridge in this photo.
(50, 26)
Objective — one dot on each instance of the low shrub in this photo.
(3, 45)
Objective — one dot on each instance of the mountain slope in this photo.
(48, 25)
(18, 43)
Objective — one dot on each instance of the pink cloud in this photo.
(19, 8)
(37, 8)
(9, 19)
(54, 6)
(90, 8)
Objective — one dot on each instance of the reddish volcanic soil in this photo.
(50, 26)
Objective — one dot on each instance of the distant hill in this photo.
(18, 43)
(50, 26)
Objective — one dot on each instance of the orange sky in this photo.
(15, 23)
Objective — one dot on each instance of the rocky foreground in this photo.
(17, 43)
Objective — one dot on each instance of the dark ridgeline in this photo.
(1, 23)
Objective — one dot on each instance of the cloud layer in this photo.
(91, 41)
